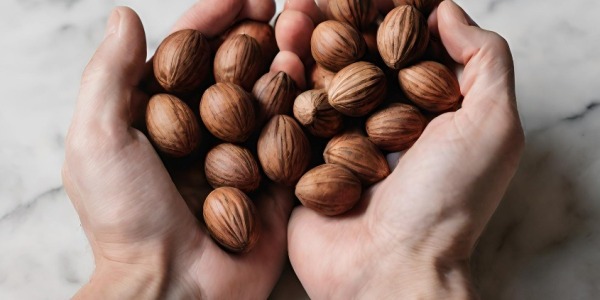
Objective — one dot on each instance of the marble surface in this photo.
(543, 243)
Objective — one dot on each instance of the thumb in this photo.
(108, 94)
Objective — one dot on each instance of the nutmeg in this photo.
(263, 33)
(402, 37)
(275, 93)
(357, 153)
(283, 150)
(231, 219)
(239, 61)
(357, 89)
(319, 77)
(431, 86)
(329, 189)
(396, 127)
(312, 109)
(227, 111)
(182, 61)
(232, 165)
(335, 45)
(357, 13)
(172, 126)
(425, 6)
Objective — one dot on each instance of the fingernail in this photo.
(112, 26)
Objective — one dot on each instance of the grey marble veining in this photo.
(543, 243)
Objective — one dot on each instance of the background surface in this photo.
(543, 243)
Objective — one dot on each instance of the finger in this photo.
(108, 94)
(213, 17)
(307, 7)
(293, 32)
(291, 64)
(485, 55)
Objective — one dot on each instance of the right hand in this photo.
(412, 235)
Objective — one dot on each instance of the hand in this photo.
(146, 242)
(412, 235)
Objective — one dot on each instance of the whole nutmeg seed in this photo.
(182, 61)
(431, 86)
(172, 126)
(425, 6)
(320, 78)
(358, 13)
(329, 189)
(313, 111)
(357, 153)
(275, 93)
(263, 33)
(232, 165)
(239, 61)
(283, 150)
(396, 127)
(227, 111)
(232, 219)
(335, 45)
(357, 89)
(402, 37)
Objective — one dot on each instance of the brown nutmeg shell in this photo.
(396, 127)
(357, 153)
(239, 61)
(425, 6)
(329, 189)
(313, 111)
(275, 93)
(228, 113)
(402, 37)
(283, 150)
(431, 86)
(172, 126)
(232, 165)
(335, 45)
(357, 89)
(262, 32)
(232, 219)
(182, 61)
(357, 13)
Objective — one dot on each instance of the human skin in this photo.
(146, 242)
(412, 235)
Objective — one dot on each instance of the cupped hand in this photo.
(145, 240)
(412, 235)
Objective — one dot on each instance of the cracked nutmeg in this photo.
(313, 111)
(172, 126)
(231, 219)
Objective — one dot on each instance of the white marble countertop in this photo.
(543, 243)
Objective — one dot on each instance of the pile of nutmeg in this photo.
(369, 91)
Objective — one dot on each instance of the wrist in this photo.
(420, 278)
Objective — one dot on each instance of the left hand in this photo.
(145, 240)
